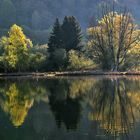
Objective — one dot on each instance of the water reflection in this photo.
(113, 108)
(93, 108)
(17, 97)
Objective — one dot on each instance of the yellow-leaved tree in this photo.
(15, 49)
(112, 38)
(133, 58)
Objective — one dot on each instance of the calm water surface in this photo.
(74, 108)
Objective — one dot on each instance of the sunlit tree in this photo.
(77, 61)
(15, 49)
(112, 38)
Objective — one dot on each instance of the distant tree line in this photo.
(36, 17)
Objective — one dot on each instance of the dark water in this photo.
(75, 108)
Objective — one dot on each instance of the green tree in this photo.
(64, 38)
(55, 47)
(71, 34)
(58, 59)
(37, 61)
(77, 61)
(55, 40)
(38, 58)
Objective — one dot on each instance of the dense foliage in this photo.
(63, 39)
(78, 61)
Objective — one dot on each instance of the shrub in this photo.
(79, 61)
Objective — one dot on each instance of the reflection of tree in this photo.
(17, 98)
(113, 107)
(65, 98)
(113, 103)
(109, 98)
(80, 87)
(65, 109)
(15, 105)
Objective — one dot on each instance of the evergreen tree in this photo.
(56, 47)
(55, 40)
(71, 34)
(63, 38)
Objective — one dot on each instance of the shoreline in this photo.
(69, 73)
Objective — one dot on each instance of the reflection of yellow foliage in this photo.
(80, 87)
(116, 112)
(16, 107)
(19, 112)
(135, 101)
(114, 124)
(17, 98)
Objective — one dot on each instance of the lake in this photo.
(70, 108)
